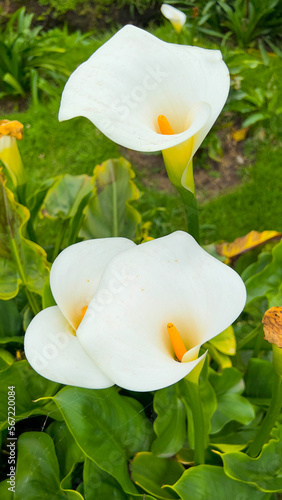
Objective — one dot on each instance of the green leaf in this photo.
(5, 493)
(208, 482)
(259, 380)
(268, 282)
(109, 212)
(37, 472)
(234, 437)
(29, 386)
(231, 406)
(170, 425)
(265, 471)
(67, 450)
(154, 473)
(6, 359)
(100, 485)
(63, 198)
(22, 262)
(121, 428)
(225, 342)
(230, 379)
(10, 319)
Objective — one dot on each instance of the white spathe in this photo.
(51, 346)
(135, 77)
(132, 293)
(171, 279)
(175, 16)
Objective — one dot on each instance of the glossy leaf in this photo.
(100, 485)
(121, 428)
(259, 380)
(22, 262)
(37, 472)
(64, 197)
(265, 471)
(225, 342)
(233, 436)
(67, 450)
(231, 406)
(11, 321)
(268, 282)
(109, 211)
(29, 386)
(170, 425)
(154, 473)
(208, 482)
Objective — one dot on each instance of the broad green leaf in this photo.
(229, 380)
(225, 342)
(259, 380)
(29, 386)
(268, 282)
(6, 359)
(63, 198)
(100, 485)
(67, 450)
(109, 212)
(22, 262)
(170, 425)
(10, 319)
(154, 473)
(121, 428)
(231, 406)
(265, 471)
(5, 492)
(234, 437)
(208, 482)
(37, 472)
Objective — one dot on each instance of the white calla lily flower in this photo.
(175, 16)
(147, 305)
(149, 95)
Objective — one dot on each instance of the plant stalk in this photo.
(198, 421)
(269, 419)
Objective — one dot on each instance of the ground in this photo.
(214, 179)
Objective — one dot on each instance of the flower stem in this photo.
(198, 421)
(269, 419)
(191, 210)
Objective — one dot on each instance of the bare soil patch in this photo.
(214, 179)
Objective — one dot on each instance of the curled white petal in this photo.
(76, 273)
(171, 279)
(175, 16)
(55, 353)
(135, 77)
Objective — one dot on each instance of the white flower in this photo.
(135, 294)
(175, 16)
(149, 95)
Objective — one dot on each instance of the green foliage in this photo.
(153, 474)
(37, 473)
(109, 212)
(121, 429)
(23, 263)
(30, 60)
(208, 481)
(264, 472)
